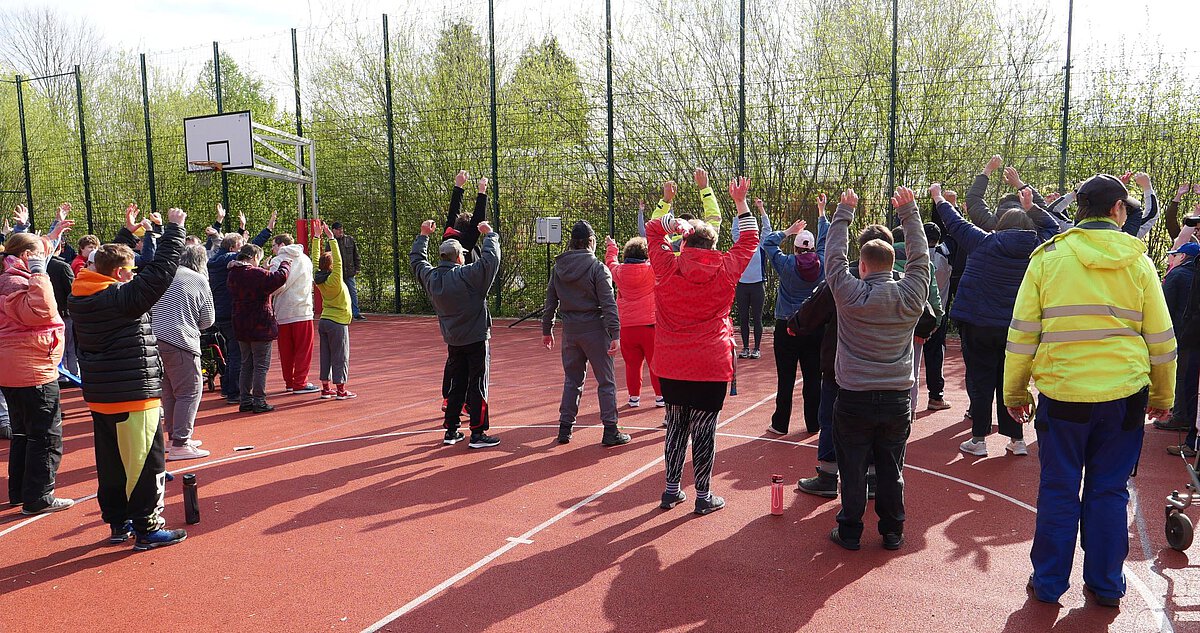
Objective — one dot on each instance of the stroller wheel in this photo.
(1179, 531)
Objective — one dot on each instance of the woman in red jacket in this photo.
(254, 324)
(694, 346)
(635, 304)
(31, 335)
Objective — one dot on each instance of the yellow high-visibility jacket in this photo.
(712, 212)
(1090, 323)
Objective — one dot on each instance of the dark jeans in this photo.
(935, 359)
(825, 452)
(257, 357)
(983, 355)
(353, 288)
(871, 424)
(231, 380)
(36, 449)
(791, 351)
(467, 367)
(750, 299)
(1187, 377)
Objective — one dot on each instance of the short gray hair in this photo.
(195, 258)
(450, 251)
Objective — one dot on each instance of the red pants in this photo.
(295, 352)
(637, 345)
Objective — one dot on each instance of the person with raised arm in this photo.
(458, 292)
(1091, 327)
(293, 304)
(254, 322)
(634, 279)
(799, 274)
(464, 227)
(876, 319)
(708, 200)
(751, 293)
(333, 329)
(694, 346)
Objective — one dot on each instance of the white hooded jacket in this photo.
(294, 301)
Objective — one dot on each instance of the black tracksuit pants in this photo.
(467, 368)
(36, 448)
(131, 468)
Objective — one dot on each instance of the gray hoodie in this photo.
(580, 289)
(459, 293)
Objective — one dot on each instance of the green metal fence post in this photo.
(391, 141)
(495, 143)
(25, 151)
(149, 136)
(1066, 109)
(220, 109)
(894, 90)
(612, 199)
(741, 164)
(87, 174)
(302, 202)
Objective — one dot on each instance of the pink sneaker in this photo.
(327, 394)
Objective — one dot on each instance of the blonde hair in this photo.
(703, 235)
(877, 255)
(18, 243)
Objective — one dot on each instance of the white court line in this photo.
(449, 582)
(38, 517)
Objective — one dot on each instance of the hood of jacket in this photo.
(575, 264)
(808, 266)
(237, 263)
(15, 266)
(291, 251)
(1103, 249)
(89, 282)
(1016, 243)
(700, 265)
(321, 276)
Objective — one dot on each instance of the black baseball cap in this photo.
(1102, 191)
(582, 231)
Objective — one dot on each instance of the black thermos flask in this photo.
(191, 502)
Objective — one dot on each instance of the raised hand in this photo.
(485, 228)
(760, 205)
(210, 231)
(1125, 177)
(609, 241)
(822, 200)
(1026, 197)
(131, 217)
(63, 210)
(220, 213)
(155, 217)
(21, 214)
(701, 177)
(951, 196)
(146, 224)
(796, 227)
(642, 206)
(59, 229)
(1013, 178)
(483, 183)
(1196, 188)
(271, 221)
(935, 192)
(669, 191)
(461, 178)
(849, 198)
(177, 216)
(903, 196)
(738, 188)
(242, 220)
(328, 232)
(1142, 179)
(427, 228)
(993, 165)
(1052, 197)
(1181, 191)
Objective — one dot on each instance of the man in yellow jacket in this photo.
(1092, 327)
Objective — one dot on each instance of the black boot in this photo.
(613, 436)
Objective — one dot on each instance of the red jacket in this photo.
(31, 331)
(635, 289)
(693, 294)
(78, 264)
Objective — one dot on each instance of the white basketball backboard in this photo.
(222, 138)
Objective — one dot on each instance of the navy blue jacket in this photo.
(1177, 287)
(996, 264)
(218, 277)
(794, 289)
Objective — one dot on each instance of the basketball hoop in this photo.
(204, 178)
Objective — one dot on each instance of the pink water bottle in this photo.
(777, 494)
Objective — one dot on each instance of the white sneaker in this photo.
(186, 452)
(659, 402)
(774, 431)
(635, 402)
(971, 447)
(195, 443)
(1017, 447)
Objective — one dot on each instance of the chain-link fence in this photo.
(801, 95)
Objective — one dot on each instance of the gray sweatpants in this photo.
(579, 349)
(335, 351)
(256, 362)
(181, 391)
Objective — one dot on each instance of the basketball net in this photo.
(204, 178)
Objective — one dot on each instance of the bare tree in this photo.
(39, 41)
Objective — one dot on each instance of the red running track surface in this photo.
(348, 514)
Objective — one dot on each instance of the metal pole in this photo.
(391, 140)
(149, 136)
(220, 109)
(612, 221)
(299, 123)
(895, 88)
(25, 151)
(495, 139)
(742, 87)
(1066, 109)
(87, 174)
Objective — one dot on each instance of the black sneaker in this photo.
(1103, 601)
(709, 505)
(158, 538)
(262, 407)
(121, 533)
(360, 318)
(246, 408)
(482, 440)
(825, 484)
(836, 537)
(670, 500)
(233, 400)
(452, 437)
(564, 434)
(614, 437)
(1172, 424)
(893, 540)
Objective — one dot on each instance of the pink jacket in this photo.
(31, 331)
(693, 338)
(635, 289)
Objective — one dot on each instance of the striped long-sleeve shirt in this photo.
(184, 310)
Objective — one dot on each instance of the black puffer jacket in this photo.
(118, 353)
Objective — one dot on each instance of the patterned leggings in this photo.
(702, 426)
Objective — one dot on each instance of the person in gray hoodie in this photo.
(876, 319)
(459, 293)
(580, 289)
